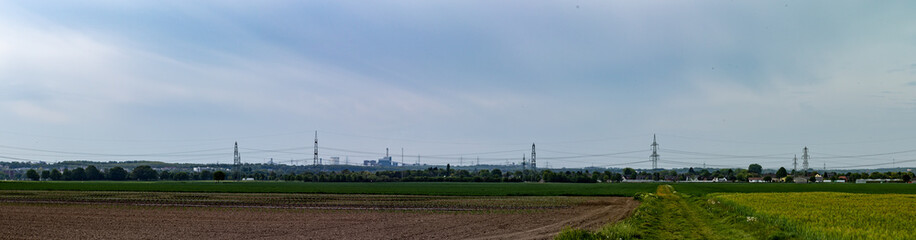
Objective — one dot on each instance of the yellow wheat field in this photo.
(822, 215)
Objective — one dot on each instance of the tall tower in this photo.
(805, 159)
(315, 159)
(795, 163)
(237, 163)
(524, 163)
(654, 155)
(534, 163)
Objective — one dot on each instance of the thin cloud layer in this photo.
(460, 78)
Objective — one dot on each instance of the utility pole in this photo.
(655, 155)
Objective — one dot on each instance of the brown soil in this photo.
(36, 220)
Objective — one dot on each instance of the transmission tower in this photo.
(524, 163)
(237, 163)
(805, 159)
(795, 163)
(534, 163)
(315, 159)
(654, 155)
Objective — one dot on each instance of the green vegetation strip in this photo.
(667, 214)
(389, 188)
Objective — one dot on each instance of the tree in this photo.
(93, 173)
(181, 176)
(755, 168)
(144, 172)
(496, 173)
(45, 174)
(32, 174)
(691, 171)
(790, 179)
(206, 175)
(629, 172)
(906, 178)
(219, 176)
(165, 175)
(66, 175)
(78, 174)
(781, 173)
(117, 174)
(56, 175)
(617, 177)
(767, 178)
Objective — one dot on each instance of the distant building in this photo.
(755, 179)
(385, 161)
(369, 163)
(879, 180)
(335, 160)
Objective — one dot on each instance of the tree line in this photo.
(91, 173)
(436, 174)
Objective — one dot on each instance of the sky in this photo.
(720, 83)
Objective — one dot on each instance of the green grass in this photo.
(670, 215)
(394, 188)
(700, 189)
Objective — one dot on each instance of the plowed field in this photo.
(132, 215)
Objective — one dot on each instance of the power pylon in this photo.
(315, 159)
(805, 159)
(654, 156)
(534, 163)
(237, 163)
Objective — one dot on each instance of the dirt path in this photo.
(113, 221)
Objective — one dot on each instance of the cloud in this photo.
(35, 112)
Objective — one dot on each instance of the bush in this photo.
(575, 233)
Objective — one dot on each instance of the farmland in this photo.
(766, 211)
(821, 215)
(391, 188)
(461, 210)
(110, 214)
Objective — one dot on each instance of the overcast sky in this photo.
(726, 83)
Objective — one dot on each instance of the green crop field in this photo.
(394, 188)
(451, 188)
(822, 215)
(766, 211)
(706, 188)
